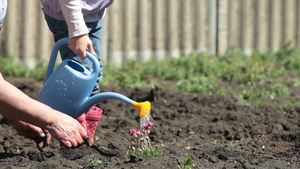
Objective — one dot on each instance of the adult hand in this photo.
(79, 44)
(16, 106)
(41, 137)
(68, 131)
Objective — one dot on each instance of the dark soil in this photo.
(186, 123)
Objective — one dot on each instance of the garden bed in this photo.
(215, 131)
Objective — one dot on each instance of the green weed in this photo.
(291, 104)
(276, 89)
(187, 164)
(215, 142)
(11, 67)
(199, 72)
(95, 161)
(222, 91)
(253, 96)
(294, 83)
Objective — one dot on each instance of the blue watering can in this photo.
(68, 88)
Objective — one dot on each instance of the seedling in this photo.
(222, 91)
(276, 89)
(142, 145)
(253, 96)
(95, 161)
(215, 142)
(294, 83)
(291, 104)
(187, 164)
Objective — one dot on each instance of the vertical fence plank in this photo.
(288, 21)
(275, 23)
(115, 36)
(297, 21)
(200, 25)
(44, 38)
(213, 26)
(261, 24)
(129, 22)
(104, 40)
(28, 32)
(234, 22)
(12, 30)
(186, 26)
(222, 26)
(247, 26)
(172, 28)
(144, 31)
(158, 29)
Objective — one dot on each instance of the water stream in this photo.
(155, 129)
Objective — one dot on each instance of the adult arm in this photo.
(17, 106)
(79, 41)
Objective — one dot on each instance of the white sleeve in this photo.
(71, 10)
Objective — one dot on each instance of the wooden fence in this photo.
(144, 29)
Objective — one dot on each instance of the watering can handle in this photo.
(54, 54)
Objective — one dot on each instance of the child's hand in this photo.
(79, 44)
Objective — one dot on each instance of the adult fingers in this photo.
(88, 141)
(73, 142)
(47, 138)
(37, 130)
(40, 145)
(85, 136)
(67, 144)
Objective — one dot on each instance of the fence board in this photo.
(173, 28)
(186, 26)
(234, 26)
(201, 27)
(247, 31)
(261, 24)
(222, 27)
(276, 23)
(129, 21)
(114, 33)
(159, 29)
(28, 44)
(44, 38)
(144, 29)
(297, 21)
(213, 26)
(288, 20)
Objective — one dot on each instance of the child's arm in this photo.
(71, 10)
(77, 28)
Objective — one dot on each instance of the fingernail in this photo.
(42, 134)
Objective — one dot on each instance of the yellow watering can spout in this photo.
(143, 108)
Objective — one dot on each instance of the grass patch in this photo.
(200, 72)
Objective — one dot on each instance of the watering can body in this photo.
(70, 85)
(68, 88)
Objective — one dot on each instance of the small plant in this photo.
(222, 91)
(187, 164)
(95, 161)
(291, 104)
(294, 83)
(142, 145)
(276, 89)
(253, 96)
(215, 142)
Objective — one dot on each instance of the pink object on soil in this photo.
(92, 119)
